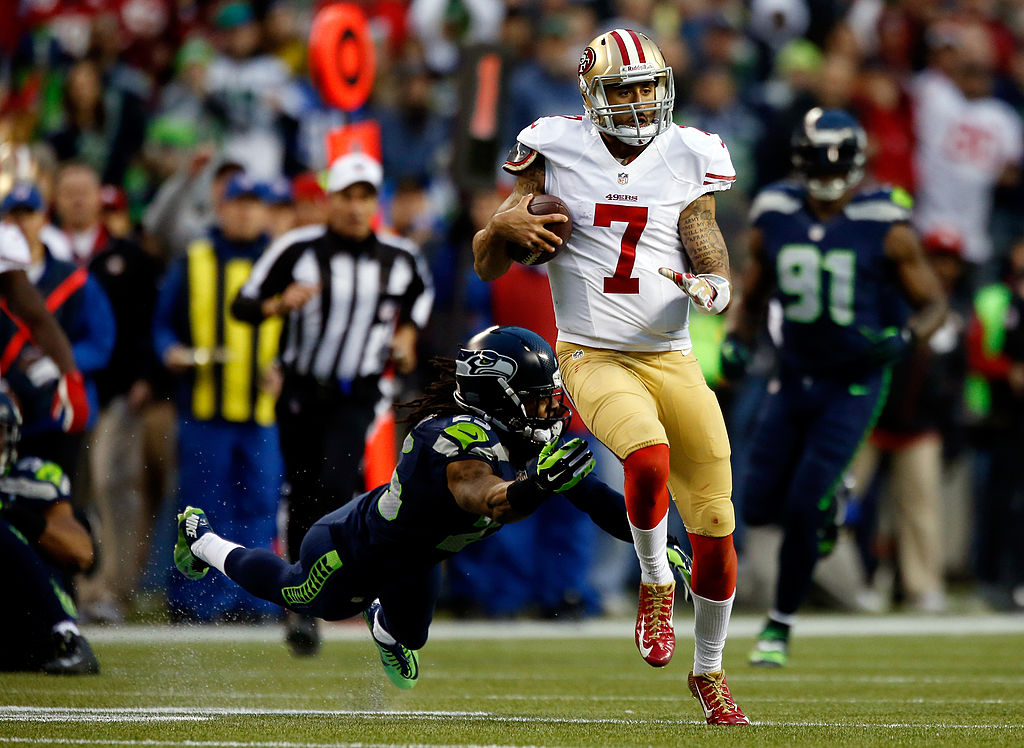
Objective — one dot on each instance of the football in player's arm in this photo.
(843, 264)
(486, 450)
(645, 247)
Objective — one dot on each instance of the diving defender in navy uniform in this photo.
(485, 451)
(842, 263)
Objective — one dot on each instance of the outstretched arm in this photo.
(707, 282)
(478, 490)
(28, 305)
(513, 222)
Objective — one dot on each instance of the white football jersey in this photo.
(963, 146)
(605, 283)
(14, 251)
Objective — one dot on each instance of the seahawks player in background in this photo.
(41, 545)
(485, 451)
(842, 263)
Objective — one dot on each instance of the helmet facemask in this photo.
(511, 410)
(829, 153)
(623, 58)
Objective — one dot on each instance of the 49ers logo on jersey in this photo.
(587, 60)
(486, 364)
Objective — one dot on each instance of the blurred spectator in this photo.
(442, 27)
(227, 439)
(102, 125)
(410, 216)
(185, 205)
(418, 132)
(116, 220)
(967, 143)
(183, 98)
(886, 111)
(310, 201)
(782, 102)
(125, 387)
(548, 84)
(280, 207)
(996, 395)
(244, 90)
(81, 308)
(923, 409)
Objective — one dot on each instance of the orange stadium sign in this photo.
(342, 57)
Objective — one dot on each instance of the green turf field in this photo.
(205, 688)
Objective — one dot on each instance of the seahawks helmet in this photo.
(829, 152)
(10, 432)
(502, 373)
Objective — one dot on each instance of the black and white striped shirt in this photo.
(367, 289)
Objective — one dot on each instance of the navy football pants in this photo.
(319, 584)
(806, 435)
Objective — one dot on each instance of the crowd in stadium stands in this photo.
(130, 129)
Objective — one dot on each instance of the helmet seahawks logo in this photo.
(486, 364)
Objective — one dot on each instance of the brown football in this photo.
(542, 205)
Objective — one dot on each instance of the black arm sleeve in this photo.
(607, 508)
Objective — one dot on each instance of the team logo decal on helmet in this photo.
(486, 364)
(503, 374)
(587, 60)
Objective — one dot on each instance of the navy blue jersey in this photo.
(837, 289)
(35, 484)
(415, 520)
(416, 512)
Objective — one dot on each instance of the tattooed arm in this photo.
(514, 223)
(707, 282)
(702, 239)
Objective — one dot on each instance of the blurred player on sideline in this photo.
(641, 193)
(842, 263)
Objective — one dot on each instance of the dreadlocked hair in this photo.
(438, 398)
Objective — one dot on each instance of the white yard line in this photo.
(33, 713)
(740, 626)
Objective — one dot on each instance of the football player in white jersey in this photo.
(24, 301)
(641, 193)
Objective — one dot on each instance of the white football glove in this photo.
(709, 292)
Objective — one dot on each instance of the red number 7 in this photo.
(635, 218)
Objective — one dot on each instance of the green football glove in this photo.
(559, 468)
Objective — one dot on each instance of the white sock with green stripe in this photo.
(214, 550)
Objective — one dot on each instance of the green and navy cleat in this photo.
(192, 525)
(681, 565)
(771, 648)
(400, 663)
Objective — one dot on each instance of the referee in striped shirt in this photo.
(353, 302)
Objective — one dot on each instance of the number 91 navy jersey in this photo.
(832, 279)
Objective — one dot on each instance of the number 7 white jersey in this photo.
(605, 284)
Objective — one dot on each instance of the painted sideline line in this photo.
(741, 626)
(15, 713)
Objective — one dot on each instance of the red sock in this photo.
(646, 486)
(714, 567)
